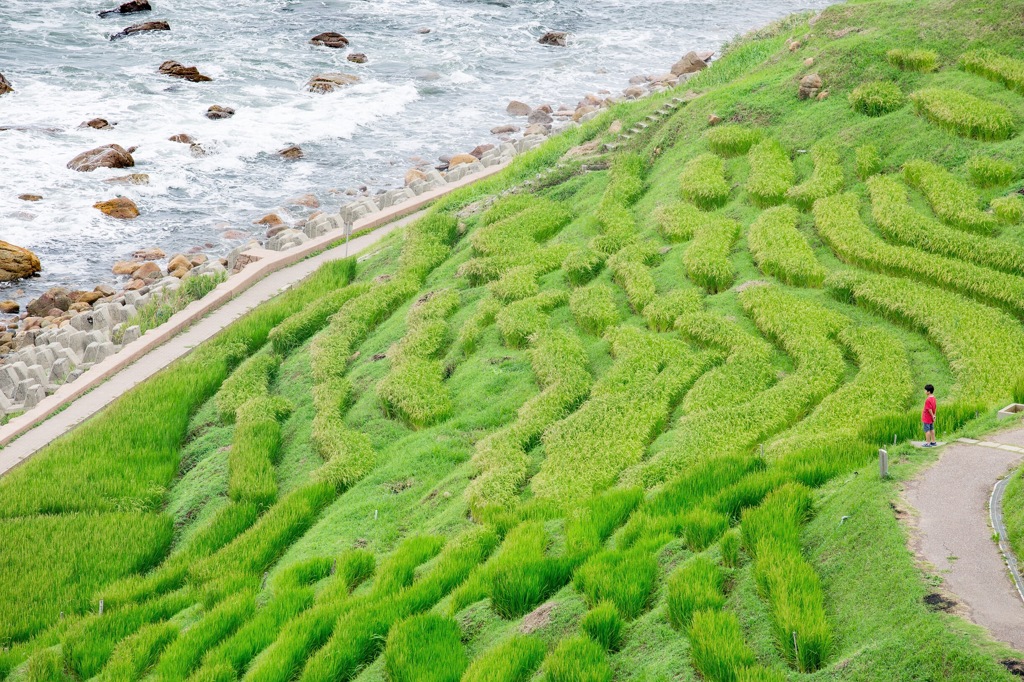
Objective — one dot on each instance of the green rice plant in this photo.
(427, 243)
(351, 569)
(185, 652)
(717, 649)
(901, 223)
(826, 180)
(1013, 511)
(603, 624)
(471, 331)
(703, 182)
(254, 450)
(581, 266)
(781, 251)
(521, 574)
(45, 665)
(618, 228)
(663, 310)
(593, 307)
(984, 171)
(303, 573)
(695, 586)
(678, 221)
(514, 660)
(425, 648)
(771, 173)
(577, 659)
(506, 207)
(732, 139)
(757, 673)
(778, 518)
(296, 329)
(587, 450)
(135, 654)
(297, 640)
(963, 114)
(398, 571)
(1009, 210)
(624, 578)
(839, 224)
(1007, 71)
(707, 257)
(219, 672)
(702, 527)
(252, 379)
(876, 98)
(590, 524)
(729, 545)
(906, 425)
(634, 277)
(951, 199)
(514, 239)
(517, 283)
(868, 161)
(924, 61)
(520, 320)
(626, 179)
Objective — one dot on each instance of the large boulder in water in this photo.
(145, 27)
(107, 156)
(178, 70)
(690, 63)
(330, 39)
(217, 112)
(17, 262)
(57, 297)
(556, 38)
(128, 8)
(122, 208)
(329, 82)
(5, 85)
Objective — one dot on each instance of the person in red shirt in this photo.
(928, 417)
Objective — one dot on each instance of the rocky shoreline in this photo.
(63, 332)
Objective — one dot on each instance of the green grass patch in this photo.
(877, 98)
(963, 114)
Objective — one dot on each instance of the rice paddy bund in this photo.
(611, 414)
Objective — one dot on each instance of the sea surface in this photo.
(420, 95)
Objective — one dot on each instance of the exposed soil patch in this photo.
(398, 486)
(1013, 666)
(938, 602)
(537, 618)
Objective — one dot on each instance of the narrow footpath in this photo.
(954, 534)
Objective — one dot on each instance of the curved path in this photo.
(955, 536)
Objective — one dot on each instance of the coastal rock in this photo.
(181, 137)
(125, 267)
(307, 200)
(633, 92)
(481, 149)
(5, 85)
(539, 116)
(517, 108)
(87, 297)
(217, 112)
(9, 307)
(423, 31)
(121, 208)
(809, 62)
(132, 179)
(291, 152)
(616, 127)
(556, 38)
(144, 27)
(329, 39)
(107, 156)
(130, 7)
(537, 129)
(97, 123)
(17, 262)
(329, 82)
(460, 159)
(151, 253)
(148, 271)
(271, 219)
(30, 197)
(809, 86)
(179, 266)
(546, 108)
(55, 299)
(714, 120)
(357, 58)
(414, 175)
(690, 63)
(197, 149)
(504, 130)
(178, 70)
(582, 111)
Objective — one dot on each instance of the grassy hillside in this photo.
(611, 414)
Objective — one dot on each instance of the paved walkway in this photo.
(179, 345)
(955, 536)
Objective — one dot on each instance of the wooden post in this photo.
(883, 463)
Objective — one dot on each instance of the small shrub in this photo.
(876, 98)
(703, 182)
(514, 660)
(581, 266)
(730, 548)
(577, 659)
(868, 161)
(924, 61)
(1000, 68)
(625, 578)
(717, 647)
(963, 114)
(985, 171)
(603, 624)
(425, 648)
(1009, 210)
(732, 139)
(694, 586)
(593, 308)
(771, 173)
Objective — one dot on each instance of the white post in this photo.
(883, 463)
(348, 233)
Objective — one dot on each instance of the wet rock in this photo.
(638, 80)
(97, 123)
(107, 156)
(714, 120)
(633, 92)
(55, 299)
(546, 108)
(423, 31)
(357, 58)
(809, 86)
(330, 39)
(86, 297)
(197, 149)
(17, 262)
(329, 82)
(134, 285)
(517, 108)
(133, 179)
(121, 208)
(151, 253)
(178, 70)
(179, 266)
(125, 267)
(217, 112)
(5, 85)
(182, 137)
(414, 175)
(556, 38)
(9, 307)
(291, 152)
(690, 63)
(128, 8)
(271, 219)
(539, 116)
(481, 149)
(460, 159)
(148, 272)
(145, 27)
(30, 197)
(583, 111)
(307, 200)
(537, 129)
(505, 129)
